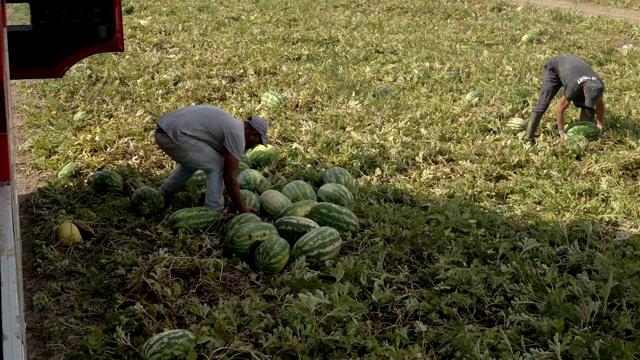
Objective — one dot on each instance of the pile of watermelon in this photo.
(293, 222)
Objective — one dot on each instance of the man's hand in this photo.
(246, 209)
(600, 130)
(563, 135)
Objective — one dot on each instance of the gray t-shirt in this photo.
(208, 124)
(573, 73)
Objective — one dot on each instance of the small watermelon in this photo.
(293, 227)
(335, 216)
(195, 218)
(272, 255)
(242, 238)
(106, 181)
(262, 156)
(146, 201)
(251, 199)
(298, 190)
(272, 99)
(298, 208)
(198, 180)
(336, 193)
(473, 96)
(585, 128)
(69, 170)
(169, 345)
(273, 201)
(69, 234)
(318, 245)
(516, 125)
(253, 180)
(239, 219)
(340, 176)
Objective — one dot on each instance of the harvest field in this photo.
(470, 246)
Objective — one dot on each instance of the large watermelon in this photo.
(250, 198)
(169, 345)
(298, 208)
(336, 194)
(272, 99)
(272, 255)
(240, 219)
(335, 216)
(516, 125)
(106, 181)
(194, 218)
(318, 245)
(262, 155)
(340, 176)
(273, 201)
(253, 180)
(585, 128)
(242, 237)
(293, 227)
(146, 201)
(298, 190)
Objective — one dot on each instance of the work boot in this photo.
(532, 126)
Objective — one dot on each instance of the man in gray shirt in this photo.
(582, 86)
(207, 138)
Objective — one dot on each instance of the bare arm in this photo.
(231, 182)
(563, 104)
(600, 112)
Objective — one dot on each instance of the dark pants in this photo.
(551, 84)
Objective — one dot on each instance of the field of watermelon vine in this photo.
(469, 245)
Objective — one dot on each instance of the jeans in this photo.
(192, 154)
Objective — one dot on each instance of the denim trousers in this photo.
(191, 155)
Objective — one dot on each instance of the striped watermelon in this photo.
(473, 96)
(242, 166)
(340, 176)
(106, 181)
(242, 237)
(198, 180)
(516, 125)
(253, 180)
(169, 345)
(272, 255)
(147, 200)
(272, 99)
(239, 219)
(336, 194)
(335, 216)
(194, 218)
(298, 208)
(273, 201)
(299, 190)
(318, 245)
(293, 227)
(68, 171)
(585, 128)
(250, 198)
(262, 156)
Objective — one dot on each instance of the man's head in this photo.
(255, 131)
(593, 90)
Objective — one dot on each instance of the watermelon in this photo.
(239, 219)
(532, 37)
(169, 345)
(318, 245)
(272, 255)
(298, 208)
(242, 166)
(272, 99)
(68, 171)
(194, 218)
(243, 236)
(262, 156)
(69, 234)
(299, 190)
(147, 200)
(516, 125)
(253, 180)
(273, 201)
(198, 180)
(106, 181)
(473, 96)
(336, 194)
(335, 216)
(293, 227)
(250, 198)
(585, 128)
(578, 143)
(340, 176)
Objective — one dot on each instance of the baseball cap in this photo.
(594, 90)
(260, 126)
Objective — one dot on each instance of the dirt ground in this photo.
(28, 182)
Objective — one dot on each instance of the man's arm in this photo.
(231, 182)
(563, 104)
(600, 113)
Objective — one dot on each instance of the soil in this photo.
(28, 182)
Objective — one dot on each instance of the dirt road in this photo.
(590, 9)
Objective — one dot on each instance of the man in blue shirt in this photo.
(582, 86)
(207, 138)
